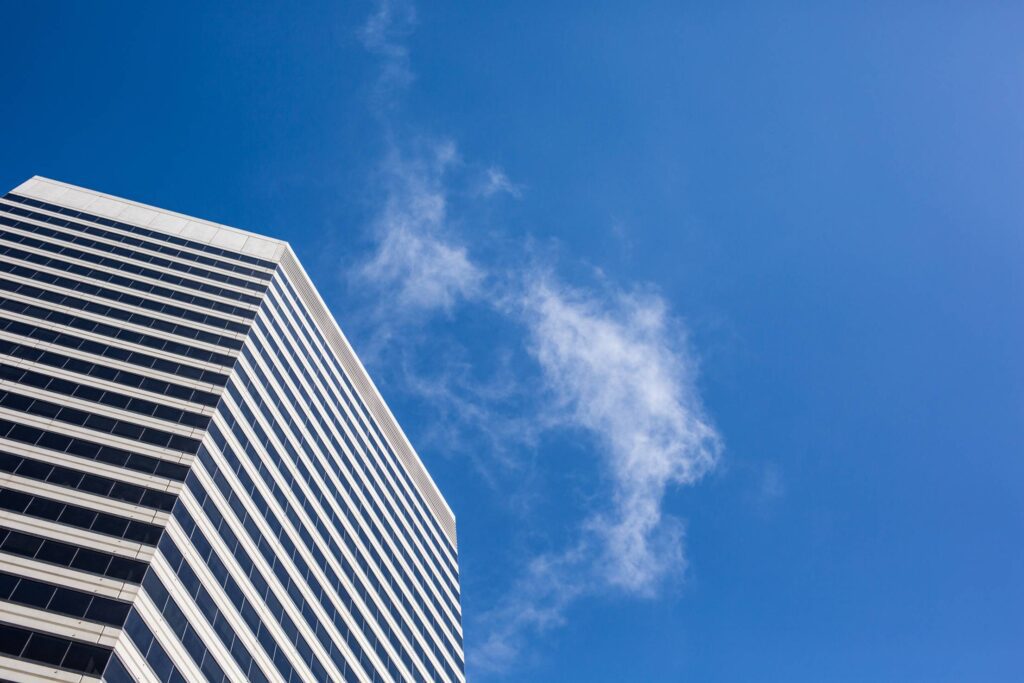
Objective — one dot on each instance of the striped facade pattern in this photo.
(198, 479)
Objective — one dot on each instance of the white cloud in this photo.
(492, 406)
(496, 181)
(619, 367)
(384, 35)
(536, 603)
(427, 273)
(615, 365)
(416, 263)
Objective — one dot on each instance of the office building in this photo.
(198, 479)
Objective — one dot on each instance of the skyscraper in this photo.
(198, 479)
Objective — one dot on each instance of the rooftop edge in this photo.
(279, 251)
(155, 218)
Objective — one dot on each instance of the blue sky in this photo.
(706, 318)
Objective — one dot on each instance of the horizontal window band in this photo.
(124, 266)
(118, 315)
(116, 671)
(43, 334)
(287, 547)
(405, 597)
(398, 579)
(113, 399)
(173, 239)
(86, 482)
(135, 255)
(445, 603)
(51, 650)
(187, 633)
(62, 600)
(96, 422)
(135, 242)
(135, 283)
(392, 495)
(379, 484)
(70, 556)
(119, 333)
(291, 367)
(425, 491)
(90, 450)
(277, 572)
(79, 517)
(153, 653)
(256, 614)
(107, 373)
(88, 288)
(279, 303)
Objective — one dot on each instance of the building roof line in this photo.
(278, 251)
(152, 217)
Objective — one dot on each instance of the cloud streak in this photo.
(384, 35)
(612, 363)
(619, 367)
(495, 181)
(418, 266)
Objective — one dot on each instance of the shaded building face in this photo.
(198, 480)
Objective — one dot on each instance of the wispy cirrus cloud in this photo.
(617, 366)
(384, 34)
(612, 363)
(420, 266)
(536, 603)
(620, 368)
(495, 181)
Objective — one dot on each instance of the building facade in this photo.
(198, 479)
